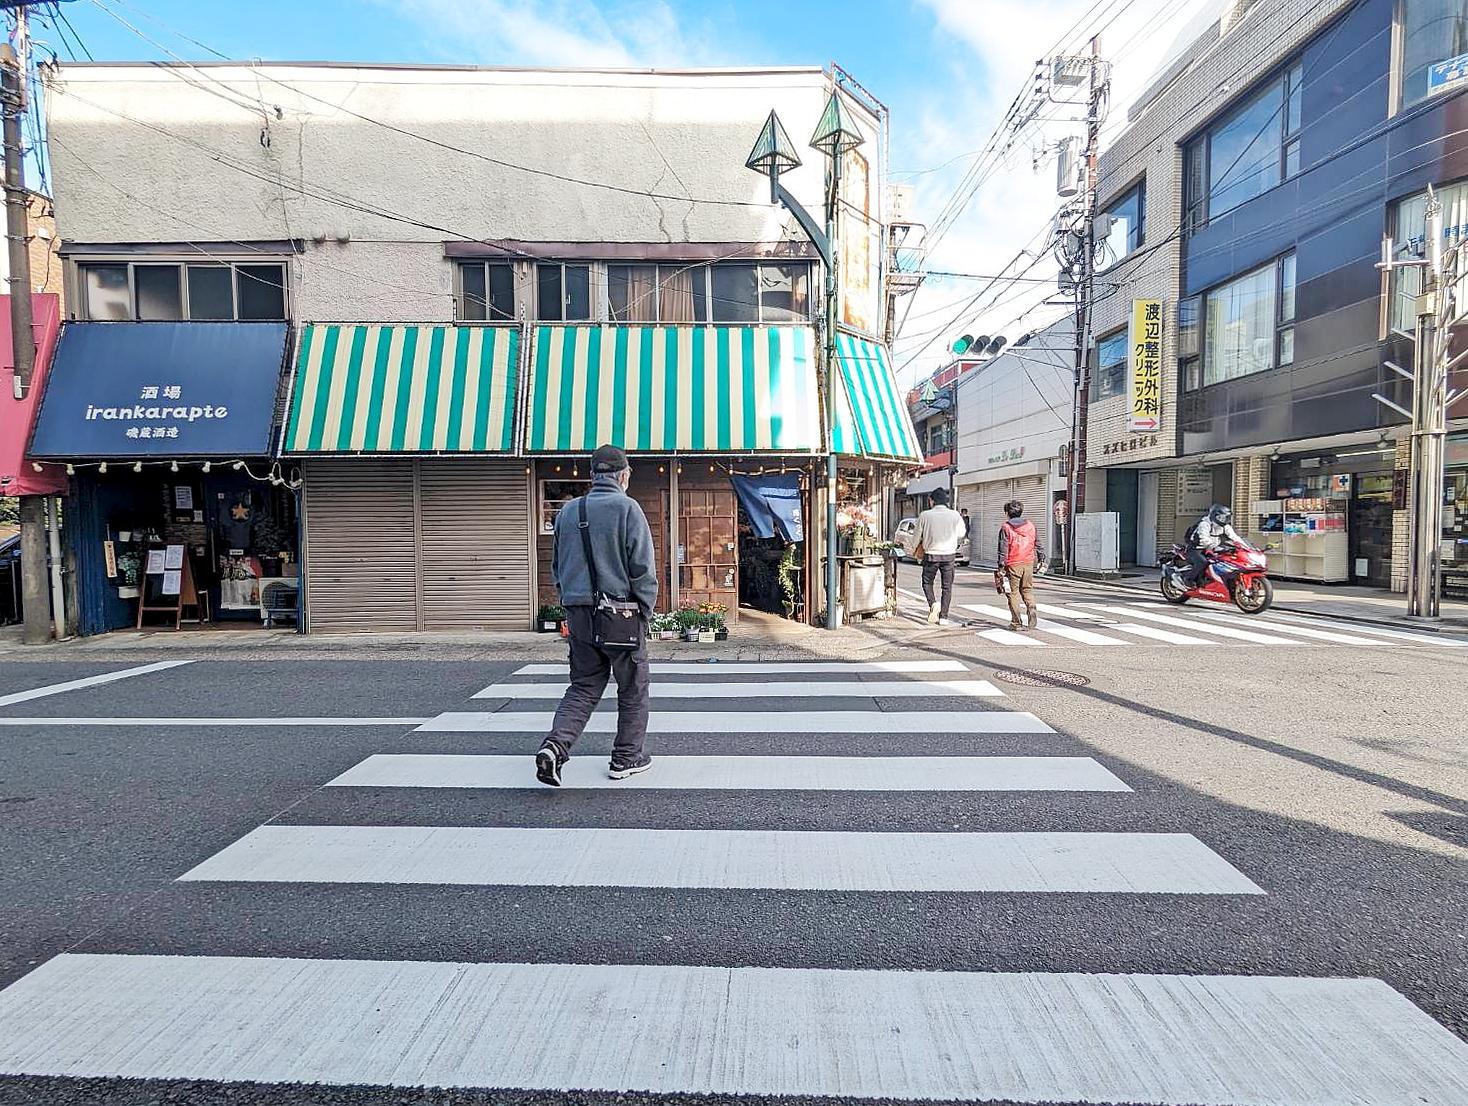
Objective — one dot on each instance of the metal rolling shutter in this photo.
(992, 498)
(1032, 492)
(360, 545)
(474, 553)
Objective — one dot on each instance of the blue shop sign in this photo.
(161, 390)
(1444, 75)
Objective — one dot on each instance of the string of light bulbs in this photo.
(275, 475)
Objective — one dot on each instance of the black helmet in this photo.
(1220, 514)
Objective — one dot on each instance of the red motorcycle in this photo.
(1235, 574)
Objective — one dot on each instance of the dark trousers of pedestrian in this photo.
(938, 567)
(591, 667)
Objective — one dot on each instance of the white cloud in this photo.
(562, 32)
(984, 54)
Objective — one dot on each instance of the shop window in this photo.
(744, 292)
(555, 494)
(562, 293)
(1248, 323)
(1110, 377)
(1428, 32)
(683, 293)
(1127, 217)
(117, 291)
(1250, 150)
(486, 291)
(782, 293)
(1410, 237)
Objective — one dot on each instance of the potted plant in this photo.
(706, 627)
(665, 626)
(714, 620)
(550, 617)
(687, 621)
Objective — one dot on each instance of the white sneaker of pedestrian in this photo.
(945, 622)
(933, 614)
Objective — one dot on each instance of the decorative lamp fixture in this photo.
(137, 466)
(102, 468)
(70, 470)
(773, 151)
(205, 467)
(238, 465)
(172, 466)
(38, 466)
(835, 133)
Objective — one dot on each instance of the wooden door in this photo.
(708, 534)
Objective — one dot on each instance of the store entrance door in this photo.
(708, 547)
(1121, 497)
(1371, 529)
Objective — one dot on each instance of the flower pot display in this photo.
(549, 618)
(706, 637)
(721, 634)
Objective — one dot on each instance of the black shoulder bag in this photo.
(615, 623)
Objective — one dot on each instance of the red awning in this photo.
(17, 475)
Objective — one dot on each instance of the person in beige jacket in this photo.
(940, 529)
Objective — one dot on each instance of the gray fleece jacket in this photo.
(621, 541)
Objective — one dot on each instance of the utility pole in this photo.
(1084, 293)
(13, 80)
(1438, 309)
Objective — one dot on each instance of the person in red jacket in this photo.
(1018, 551)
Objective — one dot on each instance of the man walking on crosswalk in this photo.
(603, 568)
(1018, 550)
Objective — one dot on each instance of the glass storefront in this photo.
(1455, 517)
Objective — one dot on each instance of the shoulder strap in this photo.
(584, 526)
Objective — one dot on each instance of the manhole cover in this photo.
(1040, 677)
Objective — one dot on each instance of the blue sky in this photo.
(947, 68)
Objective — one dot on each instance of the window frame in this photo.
(1396, 95)
(1139, 232)
(81, 305)
(1287, 76)
(461, 297)
(1097, 392)
(1282, 327)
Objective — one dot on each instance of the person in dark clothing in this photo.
(968, 523)
(621, 544)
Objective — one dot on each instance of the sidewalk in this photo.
(755, 637)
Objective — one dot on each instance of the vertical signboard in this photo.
(1144, 338)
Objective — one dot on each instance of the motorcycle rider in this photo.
(1213, 530)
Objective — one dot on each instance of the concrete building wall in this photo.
(375, 169)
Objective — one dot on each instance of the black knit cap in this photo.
(608, 458)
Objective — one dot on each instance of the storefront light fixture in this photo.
(137, 466)
(37, 466)
(172, 466)
(70, 470)
(238, 465)
(102, 468)
(205, 467)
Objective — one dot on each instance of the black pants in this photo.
(591, 667)
(1197, 565)
(938, 566)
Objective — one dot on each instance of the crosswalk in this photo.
(1087, 622)
(718, 823)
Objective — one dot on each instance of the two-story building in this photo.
(1249, 195)
(357, 328)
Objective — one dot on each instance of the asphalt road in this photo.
(1330, 776)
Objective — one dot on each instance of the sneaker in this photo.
(548, 762)
(945, 622)
(933, 614)
(621, 769)
(1015, 628)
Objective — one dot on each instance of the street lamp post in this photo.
(774, 153)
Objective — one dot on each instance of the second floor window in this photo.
(1127, 217)
(1111, 354)
(155, 291)
(486, 291)
(1249, 323)
(1250, 150)
(562, 293)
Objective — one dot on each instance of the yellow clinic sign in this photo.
(1145, 391)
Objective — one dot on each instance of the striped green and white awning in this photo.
(883, 427)
(713, 389)
(404, 389)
